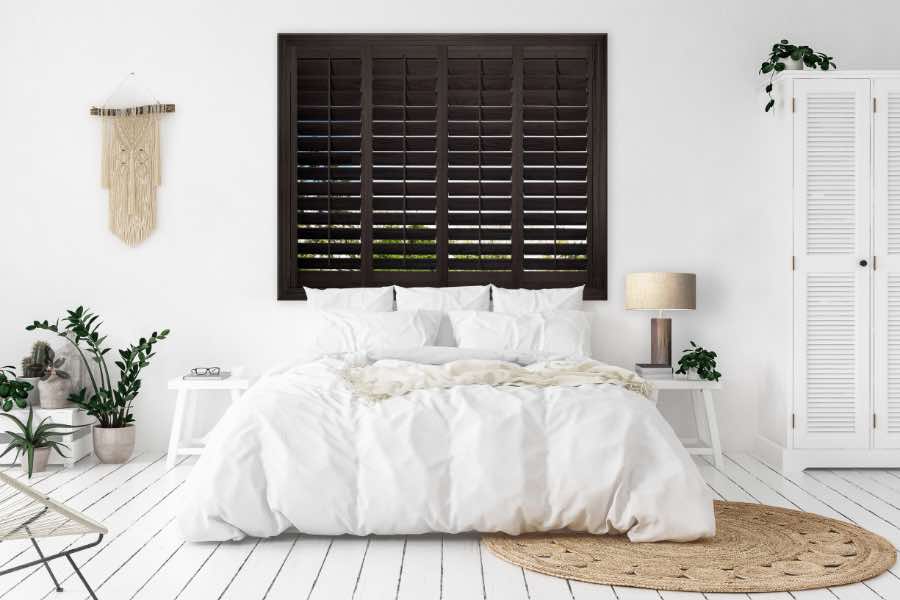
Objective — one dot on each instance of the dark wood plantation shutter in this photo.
(442, 160)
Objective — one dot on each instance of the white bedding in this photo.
(300, 451)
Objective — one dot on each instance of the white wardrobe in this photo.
(843, 134)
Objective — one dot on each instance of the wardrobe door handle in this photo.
(864, 263)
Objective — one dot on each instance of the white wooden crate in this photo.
(79, 441)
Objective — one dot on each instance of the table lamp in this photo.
(661, 291)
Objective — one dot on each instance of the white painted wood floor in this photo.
(143, 557)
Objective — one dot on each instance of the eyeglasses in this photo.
(206, 371)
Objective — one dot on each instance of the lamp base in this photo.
(661, 341)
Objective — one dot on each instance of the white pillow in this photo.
(472, 297)
(354, 331)
(564, 333)
(378, 299)
(517, 302)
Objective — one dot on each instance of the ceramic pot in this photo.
(113, 445)
(792, 65)
(33, 395)
(692, 375)
(39, 463)
(54, 392)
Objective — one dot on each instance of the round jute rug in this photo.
(757, 548)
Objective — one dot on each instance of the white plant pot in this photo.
(792, 65)
(113, 445)
(39, 464)
(54, 392)
(692, 375)
(33, 396)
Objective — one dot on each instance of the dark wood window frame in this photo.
(512, 47)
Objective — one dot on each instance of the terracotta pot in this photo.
(113, 445)
(54, 392)
(39, 464)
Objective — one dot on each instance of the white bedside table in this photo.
(701, 394)
(186, 406)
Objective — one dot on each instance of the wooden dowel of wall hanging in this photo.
(134, 110)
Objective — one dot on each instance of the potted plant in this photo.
(698, 363)
(111, 404)
(785, 56)
(33, 367)
(34, 444)
(12, 390)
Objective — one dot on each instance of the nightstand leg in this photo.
(190, 408)
(175, 436)
(699, 412)
(713, 424)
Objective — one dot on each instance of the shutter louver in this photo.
(556, 142)
(831, 315)
(886, 303)
(328, 164)
(831, 173)
(404, 162)
(833, 294)
(892, 351)
(442, 160)
(479, 187)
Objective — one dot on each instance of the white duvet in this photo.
(301, 451)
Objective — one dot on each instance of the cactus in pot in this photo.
(34, 367)
(54, 385)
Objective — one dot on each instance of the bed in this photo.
(404, 441)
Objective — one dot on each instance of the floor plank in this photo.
(420, 574)
(341, 570)
(258, 572)
(462, 572)
(301, 569)
(505, 580)
(381, 569)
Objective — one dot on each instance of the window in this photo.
(441, 160)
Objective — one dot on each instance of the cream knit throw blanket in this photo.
(378, 382)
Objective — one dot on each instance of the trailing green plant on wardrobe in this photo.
(784, 51)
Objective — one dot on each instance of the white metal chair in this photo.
(27, 514)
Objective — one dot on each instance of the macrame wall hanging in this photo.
(130, 164)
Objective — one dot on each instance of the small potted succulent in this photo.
(55, 385)
(34, 444)
(34, 366)
(698, 363)
(785, 56)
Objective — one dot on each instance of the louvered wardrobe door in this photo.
(832, 127)
(886, 302)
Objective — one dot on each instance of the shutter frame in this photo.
(441, 272)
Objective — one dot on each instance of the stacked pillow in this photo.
(546, 321)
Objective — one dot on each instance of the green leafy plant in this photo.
(12, 391)
(110, 403)
(27, 438)
(702, 360)
(785, 50)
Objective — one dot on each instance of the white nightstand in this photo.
(701, 394)
(186, 406)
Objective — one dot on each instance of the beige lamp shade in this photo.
(661, 291)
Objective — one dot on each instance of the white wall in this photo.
(687, 168)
